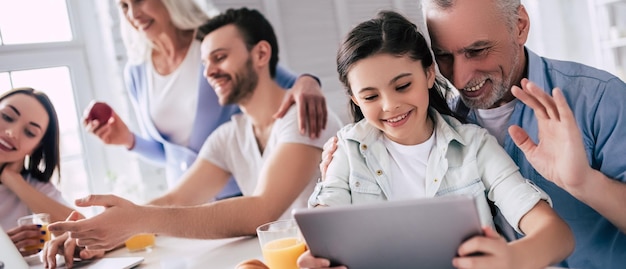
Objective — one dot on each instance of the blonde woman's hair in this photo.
(185, 15)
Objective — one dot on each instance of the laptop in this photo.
(103, 263)
(10, 258)
(420, 233)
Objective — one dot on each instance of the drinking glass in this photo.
(281, 243)
(42, 219)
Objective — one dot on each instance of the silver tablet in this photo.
(420, 233)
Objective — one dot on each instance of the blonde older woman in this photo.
(175, 106)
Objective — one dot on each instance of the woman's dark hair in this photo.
(391, 33)
(45, 158)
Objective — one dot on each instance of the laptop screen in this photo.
(10, 257)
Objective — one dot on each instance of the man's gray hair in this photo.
(508, 8)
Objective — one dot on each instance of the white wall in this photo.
(560, 29)
(581, 31)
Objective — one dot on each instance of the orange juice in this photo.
(140, 242)
(283, 253)
(45, 237)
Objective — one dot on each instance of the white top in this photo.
(408, 168)
(234, 148)
(12, 207)
(496, 120)
(172, 98)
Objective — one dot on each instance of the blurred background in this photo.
(72, 50)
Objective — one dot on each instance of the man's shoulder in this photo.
(236, 123)
(577, 81)
(550, 73)
(231, 129)
(227, 137)
(580, 82)
(568, 70)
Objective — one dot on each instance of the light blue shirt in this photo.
(156, 148)
(465, 159)
(598, 100)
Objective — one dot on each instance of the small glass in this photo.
(42, 219)
(138, 242)
(281, 243)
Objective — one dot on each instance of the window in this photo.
(40, 49)
(34, 21)
(56, 83)
(5, 81)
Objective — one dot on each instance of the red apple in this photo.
(99, 111)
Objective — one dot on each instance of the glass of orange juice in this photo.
(281, 243)
(42, 219)
(139, 242)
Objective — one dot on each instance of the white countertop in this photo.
(179, 253)
(172, 252)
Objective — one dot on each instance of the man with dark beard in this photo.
(275, 166)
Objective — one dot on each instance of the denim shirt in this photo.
(598, 100)
(465, 159)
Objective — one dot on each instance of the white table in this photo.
(181, 253)
(177, 253)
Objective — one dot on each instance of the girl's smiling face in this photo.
(392, 92)
(23, 123)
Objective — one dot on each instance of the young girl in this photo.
(28, 131)
(405, 143)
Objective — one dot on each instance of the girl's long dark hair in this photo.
(389, 32)
(45, 158)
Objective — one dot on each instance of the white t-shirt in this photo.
(173, 98)
(408, 168)
(234, 148)
(496, 120)
(12, 207)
